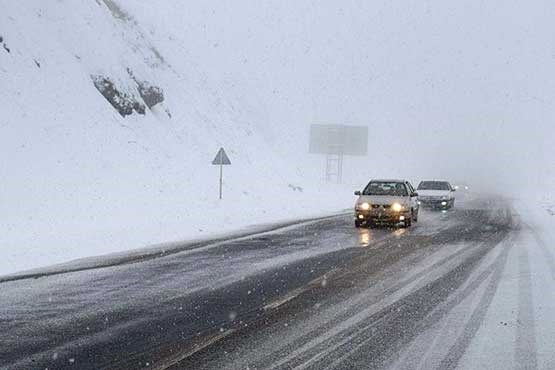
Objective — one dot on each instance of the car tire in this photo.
(408, 221)
(358, 224)
(415, 218)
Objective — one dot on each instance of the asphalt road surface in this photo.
(318, 295)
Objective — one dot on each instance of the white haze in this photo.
(460, 90)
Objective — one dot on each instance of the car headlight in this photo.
(396, 207)
(364, 206)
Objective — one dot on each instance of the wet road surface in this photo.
(313, 296)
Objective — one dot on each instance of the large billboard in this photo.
(338, 139)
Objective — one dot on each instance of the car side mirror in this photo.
(358, 192)
(415, 194)
(453, 190)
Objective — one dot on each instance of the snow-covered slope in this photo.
(79, 178)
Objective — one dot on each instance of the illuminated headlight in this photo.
(396, 207)
(364, 206)
(444, 203)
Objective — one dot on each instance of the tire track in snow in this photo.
(345, 324)
(329, 331)
(457, 350)
(547, 254)
(322, 334)
(369, 338)
(443, 309)
(525, 351)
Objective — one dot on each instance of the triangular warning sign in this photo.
(221, 157)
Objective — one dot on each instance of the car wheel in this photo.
(415, 217)
(408, 221)
(358, 224)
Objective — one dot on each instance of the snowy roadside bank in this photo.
(223, 221)
(520, 316)
(162, 249)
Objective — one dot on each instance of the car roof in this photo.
(388, 180)
(434, 181)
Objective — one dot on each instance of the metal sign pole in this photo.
(221, 179)
(340, 167)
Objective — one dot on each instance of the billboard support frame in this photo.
(336, 141)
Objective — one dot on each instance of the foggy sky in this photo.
(462, 90)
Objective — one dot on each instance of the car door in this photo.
(413, 197)
(451, 190)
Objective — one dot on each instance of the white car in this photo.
(386, 202)
(436, 194)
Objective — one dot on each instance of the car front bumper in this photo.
(436, 203)
(382, 216)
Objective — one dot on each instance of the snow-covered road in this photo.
(467, 289)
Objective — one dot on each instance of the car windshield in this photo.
(434, 185)
(386, 188)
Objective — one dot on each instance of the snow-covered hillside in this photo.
(82, 178)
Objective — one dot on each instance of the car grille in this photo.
(376, 206)
(429, 198)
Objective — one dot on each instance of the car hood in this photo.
(381, 199)
(434, 193)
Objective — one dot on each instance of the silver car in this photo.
(436, 194)
(386, 202)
